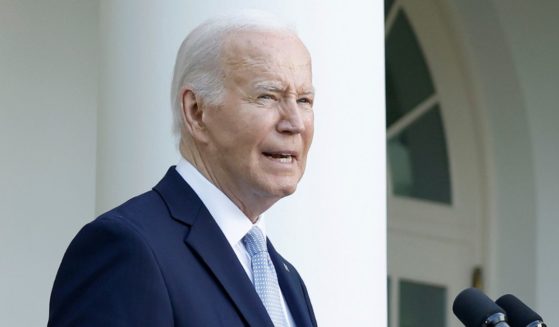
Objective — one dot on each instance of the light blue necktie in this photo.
(264, 275)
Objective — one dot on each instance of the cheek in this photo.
(245, 144)
(232, 131)
(257, 127)
(309, 130)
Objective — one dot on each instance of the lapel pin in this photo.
(286, 267)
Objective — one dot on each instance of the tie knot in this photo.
(255, 241)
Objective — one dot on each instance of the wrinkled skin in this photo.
(254, 145)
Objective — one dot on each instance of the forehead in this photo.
(266, 53)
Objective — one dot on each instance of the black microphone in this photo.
(475, 309)
(518, 313)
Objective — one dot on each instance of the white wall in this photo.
(498, 102)
(511, 48)
(333, 229)
(531, 32)
(48, 90)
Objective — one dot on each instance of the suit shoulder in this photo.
(109, 232)
(108, 263)
(138, 213)
(137, 206)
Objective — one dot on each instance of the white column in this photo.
(135, 145)
(333, 229)
(48, 93)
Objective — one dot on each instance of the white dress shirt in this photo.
(231, 220)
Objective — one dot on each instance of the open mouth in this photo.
(282, 157)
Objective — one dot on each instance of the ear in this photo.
(192, 114)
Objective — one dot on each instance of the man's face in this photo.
(258, 138)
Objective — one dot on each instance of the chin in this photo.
(280, 187)
(286, 190)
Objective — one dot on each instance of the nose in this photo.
(291, 120)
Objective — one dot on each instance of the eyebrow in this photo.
(270, 86)
(275, 86)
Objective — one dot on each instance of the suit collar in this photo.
(230, 219)
(208, 242)
(291, 288)
(183, 203)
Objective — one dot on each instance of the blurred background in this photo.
(85, 124)
(471, 92)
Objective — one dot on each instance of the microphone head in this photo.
(518, 313)
(473, 307)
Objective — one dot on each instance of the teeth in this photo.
(287, 159)
(283, 158)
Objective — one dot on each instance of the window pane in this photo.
(422, 305)
(408, 81)
(387, 5)
(418, 160)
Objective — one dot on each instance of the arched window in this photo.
(417, 150)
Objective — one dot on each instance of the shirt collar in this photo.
(231, 220)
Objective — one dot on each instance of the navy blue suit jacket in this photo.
(161, 260)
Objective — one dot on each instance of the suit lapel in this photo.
(208, 242)
(291, 289)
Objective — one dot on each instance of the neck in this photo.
(250, 204)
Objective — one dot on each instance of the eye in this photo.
(305, 100)
(267, 97)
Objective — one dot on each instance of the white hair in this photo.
(198, 63)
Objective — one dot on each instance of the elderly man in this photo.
(193, 251)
